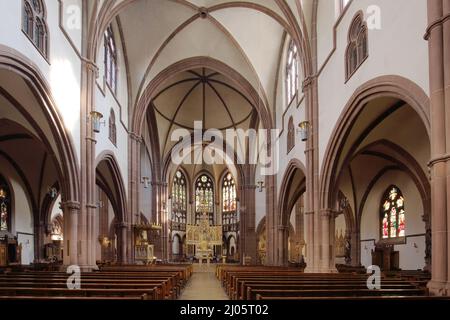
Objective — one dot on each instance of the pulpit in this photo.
(10, 250)
(385, 257)
(144, 251)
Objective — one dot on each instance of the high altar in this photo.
(204, 237)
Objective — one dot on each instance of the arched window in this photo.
(204, 198)
(179, 201)
(5, 205)
(229, 204)
(291, 72)
(357, 49)
(290, 135)
(110, 59)
(392, 214)
(34, 24)
(28, 19)
(112, 127)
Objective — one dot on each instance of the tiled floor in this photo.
(203, 285)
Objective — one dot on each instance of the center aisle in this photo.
(203, 285)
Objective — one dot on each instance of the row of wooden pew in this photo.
(279, 283)
(158, 282)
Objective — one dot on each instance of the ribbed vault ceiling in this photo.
(199, 95)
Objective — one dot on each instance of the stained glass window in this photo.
(204, 197)
(292, 72)
(229, 204)
(229, 194)
(393, 214)
(110, 59)
(5, 205)
(179, 200)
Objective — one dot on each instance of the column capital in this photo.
(71, 205)
(136, 137)
(91, 66)
(159, 183)
(434, 24)
(438, 159)
(327, 213)
(248, 186)
(91, 206)
(308, 82)
(122, 224)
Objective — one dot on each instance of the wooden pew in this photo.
(244, 282)
(121, 283)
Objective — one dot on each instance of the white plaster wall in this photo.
(71, 20)
(298, 152)
(403, 23)
(22, 214)
(62, 73)
(107, 100)
(411, 258)
(326, 13)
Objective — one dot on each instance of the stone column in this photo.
(247, 236)
(283, 254)
(89, 73)
(332, 237)
(439, 164)
(299, 227)
(310, 89)
(309, 238)
(271, 221)
(325, 216)
(355, 248)
(71, 211)
(446, 61)
(123, 232)
(134, 172)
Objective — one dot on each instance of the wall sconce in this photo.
(261, 185)
(96, 118)
(303, 129)
(146, 182)
(100, 204)
(52, 192)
